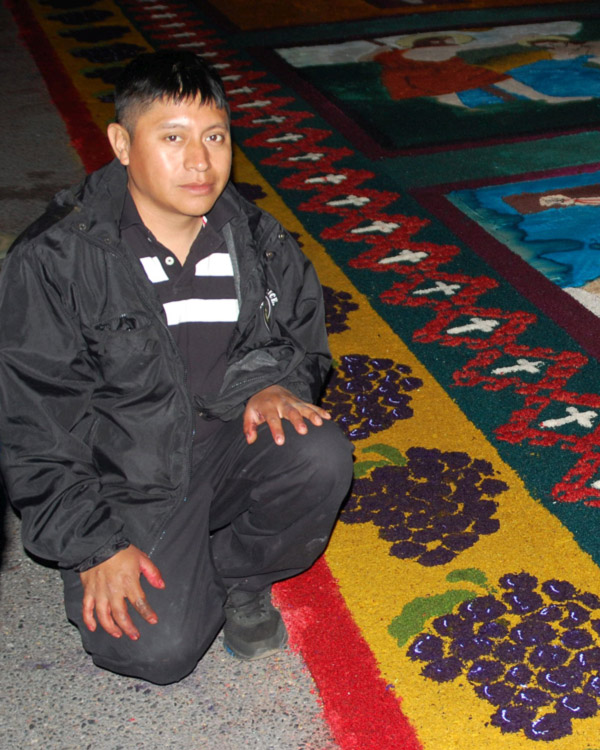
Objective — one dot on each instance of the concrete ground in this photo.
(52, 695)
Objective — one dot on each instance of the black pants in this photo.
(255, 514)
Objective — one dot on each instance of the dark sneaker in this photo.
(253, 628)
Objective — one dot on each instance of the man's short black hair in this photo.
(174, 75)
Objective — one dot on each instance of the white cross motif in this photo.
(241, 90)
(387, 227)
(449, 290)
(287, 138)
(404, 256)
(476, 324)
(350, 200)
(582, 418)
(311, 156)
(255, 103)
(265, 120)
(334, 179)
(523, 365)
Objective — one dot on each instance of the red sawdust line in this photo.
(363, 712)
(86, 137)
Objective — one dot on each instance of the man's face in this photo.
(178, 160)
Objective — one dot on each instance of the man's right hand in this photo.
(108, 586)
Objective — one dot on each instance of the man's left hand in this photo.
(275, 403)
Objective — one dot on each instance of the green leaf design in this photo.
(416, 613)
(393, 455)
(473, 575)
(362, 468)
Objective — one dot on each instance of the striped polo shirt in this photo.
(198, 297)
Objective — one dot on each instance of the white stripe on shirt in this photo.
(202, 311)
(217, 264)
(154, 270)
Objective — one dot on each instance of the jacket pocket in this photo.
(124, 323)
(125, 347)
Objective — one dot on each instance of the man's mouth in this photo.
(201, 188)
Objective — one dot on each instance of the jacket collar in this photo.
(101, 196)
(99, 200)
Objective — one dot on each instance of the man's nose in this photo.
(196, 157)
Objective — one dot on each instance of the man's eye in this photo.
(216, 138)
(172, 138)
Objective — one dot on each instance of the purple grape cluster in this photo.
(533, 652)
(366, 395)
(434, 507)
(337, 307)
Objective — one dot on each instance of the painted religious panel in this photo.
(552, 223)
(443, 88)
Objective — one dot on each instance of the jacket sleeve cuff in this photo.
(114, 545)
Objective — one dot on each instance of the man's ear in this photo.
(120, 142)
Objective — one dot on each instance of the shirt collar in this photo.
(220, 214)
(130, 214)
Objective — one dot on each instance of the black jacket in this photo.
(95, 418)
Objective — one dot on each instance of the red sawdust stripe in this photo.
(86, 137)
(362, 711)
